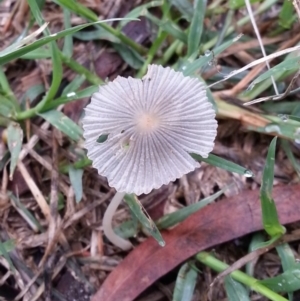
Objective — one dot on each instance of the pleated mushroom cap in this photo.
(152, 125)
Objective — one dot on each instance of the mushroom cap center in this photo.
(147, 122)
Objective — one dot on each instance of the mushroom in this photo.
(150, 125)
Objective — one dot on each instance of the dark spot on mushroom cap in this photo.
(102, 138)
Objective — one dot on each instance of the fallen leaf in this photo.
(214, 224)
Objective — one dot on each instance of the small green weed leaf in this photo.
(138, 210)
(286, 15)
(76, 182)
(289, 281)
(4, 252)
(63, 123)
(171, 219)
(224, 164)
(8, 245)
(25, 213)
(14, 141)
(269, 213)
(196, 27)
(139, 11)
(185, 7)
(235, 291)
(185, 283)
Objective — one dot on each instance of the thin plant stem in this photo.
(107, 223)
(239, 276)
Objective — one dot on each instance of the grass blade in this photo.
(63, 123)
(185, 283)
(224, 164)
(138, 210)
(269, 213)
(235, 291)
(196, 27)
(76, 182)
(14, 141)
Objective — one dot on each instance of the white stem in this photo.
(107, 223)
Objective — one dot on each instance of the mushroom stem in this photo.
(107, 223)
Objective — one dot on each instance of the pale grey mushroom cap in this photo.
(152, 125)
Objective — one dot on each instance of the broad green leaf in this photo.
(196, 27)
(224, 164)
(289, 281)
(269, 213)
(171, 219)
(287, 14)
(63, 123)
(185, 283)
(14, 141)
(235, 291)
(76, 182)
(138, 210)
